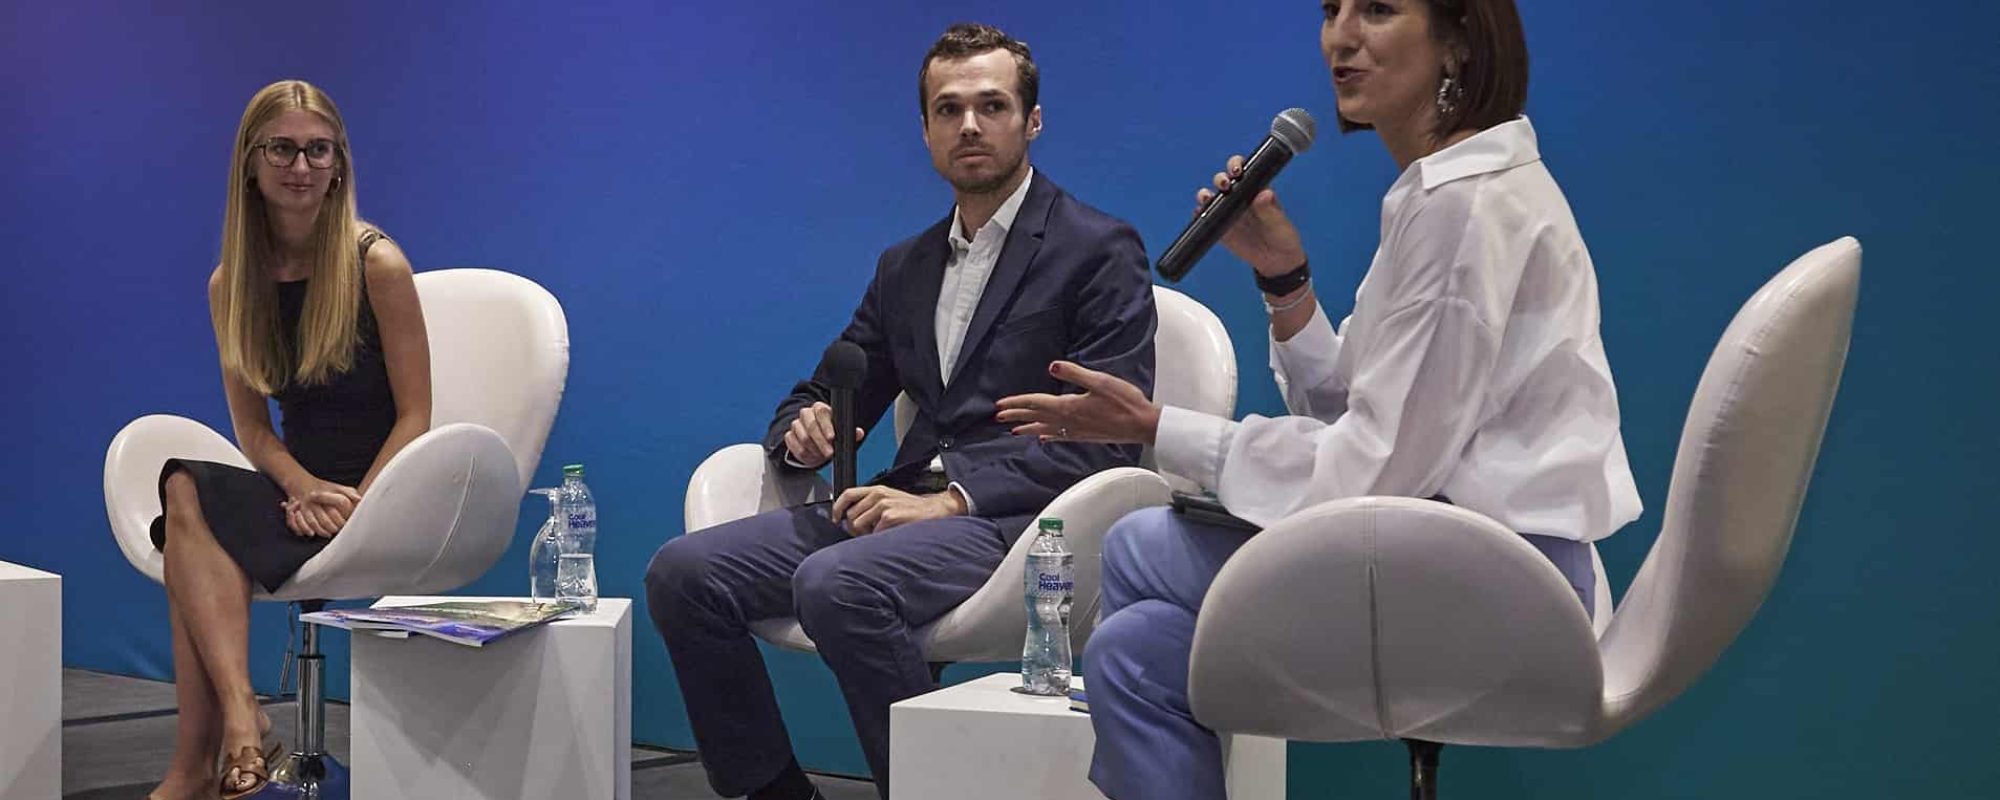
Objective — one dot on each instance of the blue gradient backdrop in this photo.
(705, 186)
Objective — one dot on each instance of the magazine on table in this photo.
(468, 622)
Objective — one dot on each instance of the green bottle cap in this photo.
(572, 470)
(1052, 524)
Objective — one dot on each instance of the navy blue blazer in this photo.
(1072, 283)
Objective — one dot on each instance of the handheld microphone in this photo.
(1291, 134)
(845, 365)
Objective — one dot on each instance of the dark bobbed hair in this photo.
(1492, 54)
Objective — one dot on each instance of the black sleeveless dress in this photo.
(334, 430)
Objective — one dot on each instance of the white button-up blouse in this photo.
(1470, 367)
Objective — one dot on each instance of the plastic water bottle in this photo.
(544, 555)
(1050, 583)
(576, 569)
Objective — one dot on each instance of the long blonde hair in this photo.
(245, 315)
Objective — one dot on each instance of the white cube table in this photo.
(30, 683)
(542, 713)
(980, 740)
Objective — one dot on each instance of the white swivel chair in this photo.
(1396, 618)
(1195, 369)
(439, 514)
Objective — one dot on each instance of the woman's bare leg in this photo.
(191, 773)
(212, 596)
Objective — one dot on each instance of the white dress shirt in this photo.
(965, 273)
(1470, 367)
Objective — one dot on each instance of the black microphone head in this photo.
(846, 364)
(1294, 129)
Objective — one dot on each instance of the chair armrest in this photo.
(132, 478)
(740, 481)
(1393, 617)
(991, 624)
(437, 517)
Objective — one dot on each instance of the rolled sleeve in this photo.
(1191, 444)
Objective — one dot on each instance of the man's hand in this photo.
(873, 509)
(810, 441)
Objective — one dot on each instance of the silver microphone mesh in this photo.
(1294, 129)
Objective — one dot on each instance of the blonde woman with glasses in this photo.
(317, 311)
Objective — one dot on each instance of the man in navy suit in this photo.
(973, 309)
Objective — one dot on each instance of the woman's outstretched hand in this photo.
(1109, 410)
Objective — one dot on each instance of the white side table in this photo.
(981, 741)
(30, 683)
(543, 713)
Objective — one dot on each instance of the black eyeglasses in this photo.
(281, 152)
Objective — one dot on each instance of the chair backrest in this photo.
(1746, 454)
(1194, 365)
(499, 356)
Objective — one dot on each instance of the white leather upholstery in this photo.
(1374, 618)
(1746, 455)
(442, 511)
(1396, 617)
(132, 478)
(502, 358)
(1195, 368)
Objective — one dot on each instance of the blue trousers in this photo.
(857, 597)
(1157, 567)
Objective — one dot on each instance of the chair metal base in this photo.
(1423, 768)
(309, 773)
(299, 776)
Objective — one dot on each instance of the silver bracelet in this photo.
(1304, 293)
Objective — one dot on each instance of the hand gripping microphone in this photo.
(845, 365)
(1291, 134)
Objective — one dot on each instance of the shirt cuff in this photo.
(1191, 444)
(971, 508)
(1306, 360)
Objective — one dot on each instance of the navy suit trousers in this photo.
(859, 598)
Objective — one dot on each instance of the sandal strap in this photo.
(248, 762)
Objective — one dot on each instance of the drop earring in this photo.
(1449, 92)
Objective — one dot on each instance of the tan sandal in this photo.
(247, 761)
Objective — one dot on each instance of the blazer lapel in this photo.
(927, 261)
(1023, 241)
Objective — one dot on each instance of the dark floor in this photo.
(118, 733)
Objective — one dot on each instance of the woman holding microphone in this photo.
(1469, 369)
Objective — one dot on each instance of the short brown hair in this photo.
(1487, 37)
(968, 39)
